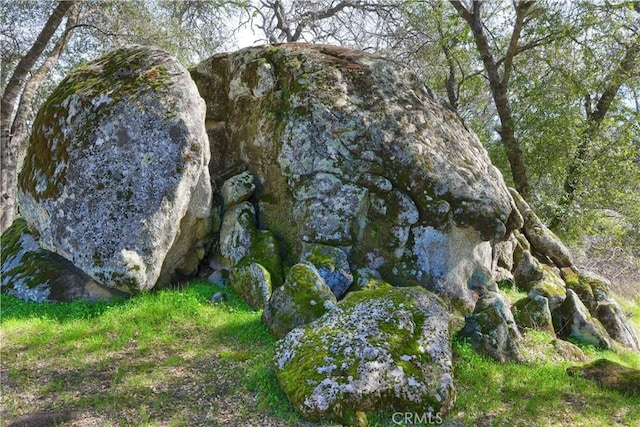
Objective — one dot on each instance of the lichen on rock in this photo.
(117, 159)
(304, 297)
(348, 149)
(34, 274)
(383, 348)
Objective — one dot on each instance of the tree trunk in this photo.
(595, 118)
(9, 147)
(499, 85)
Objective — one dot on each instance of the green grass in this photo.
(172, 358)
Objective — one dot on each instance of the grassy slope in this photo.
(171, 358)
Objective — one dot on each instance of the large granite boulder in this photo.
(383, 348)
(350, 150)
(115, 177)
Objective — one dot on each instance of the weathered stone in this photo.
(503, 253)
(569, 351)
(541, 238)
(551, 287)
(303, 298)
(522, 244)
(572, 320)
(117, 165)
(528, 271)
(610, 314)
(387, 347)
(252, 282)
(591, 288)
(237, 189)
(492, 329)
(594, 291)
(238, 225)
(240, 239)
(533, 312)
(34, 274)
(332, 265)
(458, 262)
(359, 155)
(610, 375)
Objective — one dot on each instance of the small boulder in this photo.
(573, 320)
(332, 265)
(610, 314)
(528, 271)
(492, 329)
(541, 238)
(383, 348)
(551, 287)
(610, 375)
(252, 282)
(569, 351)
(533, 312)
(303, 298)
(34, 274)
(238, 225)
(238, 189)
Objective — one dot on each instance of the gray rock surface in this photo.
(117, 165)
(303, 298)
(610, 314)
(360, 156)
(573, 320)
(540, 237)
(387, 347)
(237, 189)
(332, 265)
(492, 329)
(34, 274)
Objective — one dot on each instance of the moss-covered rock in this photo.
(34, 274)
(303, 298)
(594, 291)
(252, 282)
(533, 312)
(550, 286)
(610, 375)
(116, 161)
(492, 329)
(384, 348)
(573, 320)
(349, 149)
(332, 265)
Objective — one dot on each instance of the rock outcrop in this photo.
(350, 150)
(115, 177)
(354, 207)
